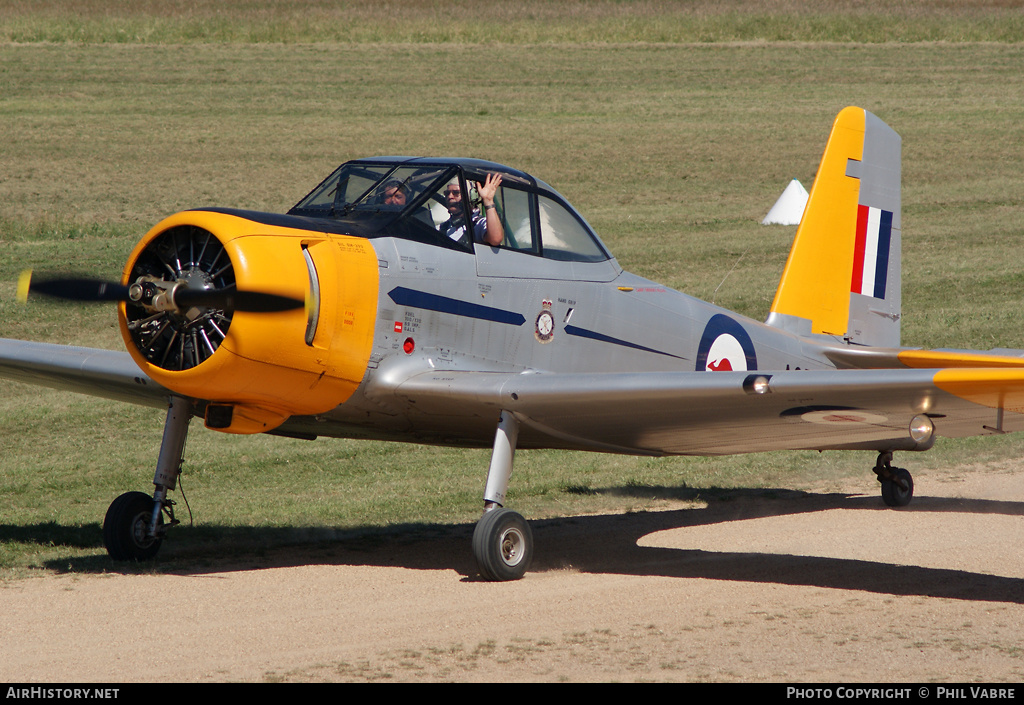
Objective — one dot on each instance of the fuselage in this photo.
(397, 285)
(506, 312)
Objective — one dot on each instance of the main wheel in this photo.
(125, 527)
(502, 545)
(899, 491)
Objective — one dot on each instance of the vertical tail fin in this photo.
(842, 277)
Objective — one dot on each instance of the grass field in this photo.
(515, 22)
(672, 126)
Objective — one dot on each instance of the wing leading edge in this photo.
(100, 373)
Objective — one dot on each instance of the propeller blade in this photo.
(86, 289)
(71, 288)
(232, 299)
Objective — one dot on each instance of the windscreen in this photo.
(359, 190)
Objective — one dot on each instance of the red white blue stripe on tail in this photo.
(871, 253)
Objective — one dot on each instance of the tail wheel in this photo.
(126, 525)
(899, 489)
(502, 545)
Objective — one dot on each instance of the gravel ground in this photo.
(756, 586)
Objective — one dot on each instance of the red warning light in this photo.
(408, 346)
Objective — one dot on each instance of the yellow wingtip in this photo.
(24, 279)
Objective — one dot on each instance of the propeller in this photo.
(154, 294)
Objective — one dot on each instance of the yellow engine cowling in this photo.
(267, 366)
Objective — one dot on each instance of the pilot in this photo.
(487, 228)
(395, 193)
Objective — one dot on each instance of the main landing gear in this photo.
(502, 540)
(136, 523)
(134, 526)
(897, 484)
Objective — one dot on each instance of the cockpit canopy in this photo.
(407, 198)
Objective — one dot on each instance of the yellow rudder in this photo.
(842, 276)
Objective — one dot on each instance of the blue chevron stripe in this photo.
(593, 335)
(433, 302)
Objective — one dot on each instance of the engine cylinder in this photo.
(174, 340)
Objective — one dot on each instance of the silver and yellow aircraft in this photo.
(461, 302)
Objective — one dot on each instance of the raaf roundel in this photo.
(725, 347)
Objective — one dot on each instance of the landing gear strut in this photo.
(502, 540)
(897, 483)
(134, 526)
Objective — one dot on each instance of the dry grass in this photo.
(517, 22)
(650, 142)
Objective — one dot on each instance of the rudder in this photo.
(842, 277)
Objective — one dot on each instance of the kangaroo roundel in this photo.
(725, 347)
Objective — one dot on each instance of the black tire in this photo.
(502, 545)
(125, 525)
(893, 494)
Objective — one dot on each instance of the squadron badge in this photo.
(545, 327)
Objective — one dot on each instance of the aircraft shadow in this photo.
(595, 545)
(589, 544)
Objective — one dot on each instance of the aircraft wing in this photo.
(100, 373)
(657, 413)
(717, 413)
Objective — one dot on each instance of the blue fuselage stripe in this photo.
(433, 302)
(594, 335)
